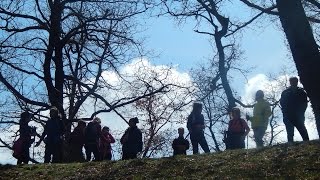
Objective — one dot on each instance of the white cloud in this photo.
(112, 120)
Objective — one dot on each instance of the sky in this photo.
(264, 49)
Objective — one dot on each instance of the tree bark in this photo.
(304, 49)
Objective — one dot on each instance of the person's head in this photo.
(133, 122)
(197, 107)
(259, 95)
(181, 131)
(25, 117)
(97, 120)
(235, 113)
(54, 112)
(82, 124)
(105, 129)
(293, 81)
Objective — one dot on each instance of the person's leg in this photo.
(299, 124)
(96, 153)
(88, 152)
(57, 153)
(289, 127)
(194, 142)
(125, 155)
(258, 135)
(108, 156)
(47, 153)
(132, 155)
(203, 143)
(26, 154)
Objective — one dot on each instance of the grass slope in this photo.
(295, 161)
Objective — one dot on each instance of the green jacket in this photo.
(261, 114)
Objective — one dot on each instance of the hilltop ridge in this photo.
(299, 160)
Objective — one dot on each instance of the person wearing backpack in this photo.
(92, 139)
(238, 129)
(53, 137)
(180, 145)
(105, 144)
(131, 140)
(22, 145)
(196, 127)
(260, 119)
(294, 103)
(76, 142)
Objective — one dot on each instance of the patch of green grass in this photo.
(286, 161)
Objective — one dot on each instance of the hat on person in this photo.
(134, 120)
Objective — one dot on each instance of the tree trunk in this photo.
(304, 49)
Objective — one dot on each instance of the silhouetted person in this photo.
(238, 129)
(22, 145)
(53, 131)
(131, 140)
(180, 145)
(294, 103)
(92, 138)
(196, 127)
(105, 144)
(76, 143)
(260, 119)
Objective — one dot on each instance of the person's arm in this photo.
(202, 121)
(187, 145)
(174, 144)
(267, 112)
(140, 143)
(111, 139)
(124, 137)
(189, 122)
(304, 100)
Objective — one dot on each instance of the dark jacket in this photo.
(92, 133)
(180, 146)
(195, 122)
(54, 130)
(293, 101)
(25, 134)
(132, 140)
(77, 137)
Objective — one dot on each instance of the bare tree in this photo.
(56, 52)
(160, 113)
(295, 17)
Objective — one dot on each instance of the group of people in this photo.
(293, 103)
(98, 140)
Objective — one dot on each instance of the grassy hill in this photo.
(295, 161)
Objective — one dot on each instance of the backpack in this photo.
(17, 148)
(242, 128)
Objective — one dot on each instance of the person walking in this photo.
(294, 103)
(105, 144)
(131, 140)
(22, 145)
(180, 145)
(238, 129)
(76, 142)
(196, 127)
(92, 139)
(260, 119)
(53, 131)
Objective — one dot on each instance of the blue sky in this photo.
(264, 47)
